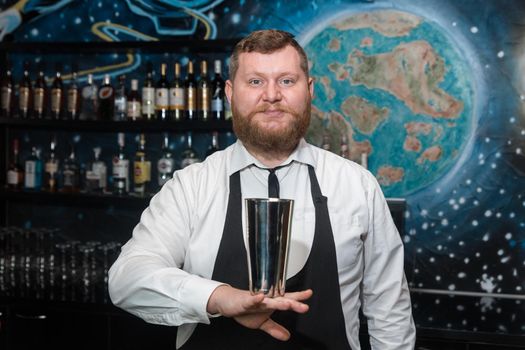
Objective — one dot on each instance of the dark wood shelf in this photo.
(91, 47)
(116, 126)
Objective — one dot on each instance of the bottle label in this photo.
(12, 177)
(165, 165)
(70, 178)
(142, 172)
(217, 105)
(176, 98)
(56, 97)
(204, 99)
(30, 179)
(191, 104)
(23, 98)
(148, 101)
(72, 100)
(134, 110)
(6, 98)
(121, 104)
(121, 168)
(162, 98)
(89, 92)
(51, 167)
(105, 92)
(39, 100)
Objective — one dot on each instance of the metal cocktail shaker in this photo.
(268, 228)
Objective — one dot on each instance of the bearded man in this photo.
(186, 263)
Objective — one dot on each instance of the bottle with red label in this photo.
(106, 98)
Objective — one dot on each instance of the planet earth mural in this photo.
(398, 89)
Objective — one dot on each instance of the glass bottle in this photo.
(73, 98)
(141, 167)
(162, 95)
(89, 108)
(121, 99)
(51, 168)
(189, 155)
(190, 87)
(214, 146)
(71, 172)
(120, 168)
(148, 96)
(177, 96)
(57, 96)
(203, 93)
(134, 111)
(25, 94)
(15, 173)
(106, 99)
(96, 174)
(40, 96)
(217, 90)
(8, 95)
(166, 163)
(33, 171)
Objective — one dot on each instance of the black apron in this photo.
(322, 327)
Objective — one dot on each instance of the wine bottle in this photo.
(177, 96)
(40, 96)
(148, 96)
(89, 107)
(121, 99)
(134, 109)
(57, 96)
(25, 94)
(162, 95)
(120, 168)
(73, 98)
(106, 98)
(217, 90)
(203, 93)
(8, 95)
(166, 163)
(15, 173)
(190, 87)
(141, 167)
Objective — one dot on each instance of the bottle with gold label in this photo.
(162, 95)
(8, 94)
(177, 94)
(190, 87)
(141, 168)
(73, 98)
(203, 93)
(57, 96)
(40, 96)
(25, 94)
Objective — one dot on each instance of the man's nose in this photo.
(272, 92)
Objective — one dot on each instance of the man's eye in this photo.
(255, 82)
(287, 81)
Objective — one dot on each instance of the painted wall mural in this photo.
(432, 92)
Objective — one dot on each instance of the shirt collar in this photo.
(241, 158)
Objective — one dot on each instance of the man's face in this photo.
(271, 100)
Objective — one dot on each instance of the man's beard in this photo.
(282, 141)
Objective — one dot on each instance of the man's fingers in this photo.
(302, 295)
(275, 330)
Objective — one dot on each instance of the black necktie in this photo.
(273, 184)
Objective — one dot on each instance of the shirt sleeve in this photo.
(147, 278)
(385, 299)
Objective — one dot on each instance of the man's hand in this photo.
(254, 311)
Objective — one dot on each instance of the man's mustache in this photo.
(274, 108)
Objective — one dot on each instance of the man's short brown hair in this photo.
(266, 41)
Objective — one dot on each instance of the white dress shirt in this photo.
(163, 274)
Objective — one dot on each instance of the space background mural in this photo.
(431, 93)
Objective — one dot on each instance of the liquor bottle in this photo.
(15, 173)
(8, 95)
(190, 87)
(162, 95)
(71, 172)
(25, 94)
(134, 110)
(203, 93)
(33, 171)
(214, 146)
(40, 96)
(177, 96)
(121, 99)
(120, 168)
(57, 96)
(189, 155)
(166, 163)
(217, 90)
(141, 167)
(106, 99)
(344, 150)
(148, 96)
(73, 98)
(96, 173)
(89, 108)
(51, 168)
